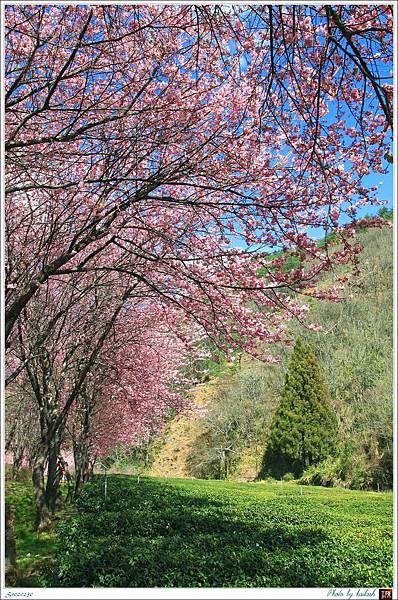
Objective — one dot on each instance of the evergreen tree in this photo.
(303, 429)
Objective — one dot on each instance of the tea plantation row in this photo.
(183, 533)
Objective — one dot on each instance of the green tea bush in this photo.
(186, 533)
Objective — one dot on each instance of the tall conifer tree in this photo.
(303, 429)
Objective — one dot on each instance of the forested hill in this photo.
(354, 351)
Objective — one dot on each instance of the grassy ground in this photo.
(193, 533)
(33, 550)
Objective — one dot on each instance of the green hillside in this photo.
(354, 350)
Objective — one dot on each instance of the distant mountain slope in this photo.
(355, 351)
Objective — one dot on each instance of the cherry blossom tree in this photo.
(136, 386)
(59, 341)
(179, 143)
(101, 366)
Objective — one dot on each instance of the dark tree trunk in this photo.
(81, 450)
(226, 466)
(69, 480)
(53, 477)
(78, 471)
(91, 465)
(81, 466)
(43, 520)
(10, 548)
(303, 452)
(10, 436)
(31, 460)
(146, 455)
(17, 461)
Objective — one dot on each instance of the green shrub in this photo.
(325, 473)
(351, 469)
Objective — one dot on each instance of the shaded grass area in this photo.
(34, 551)
(195, 533)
